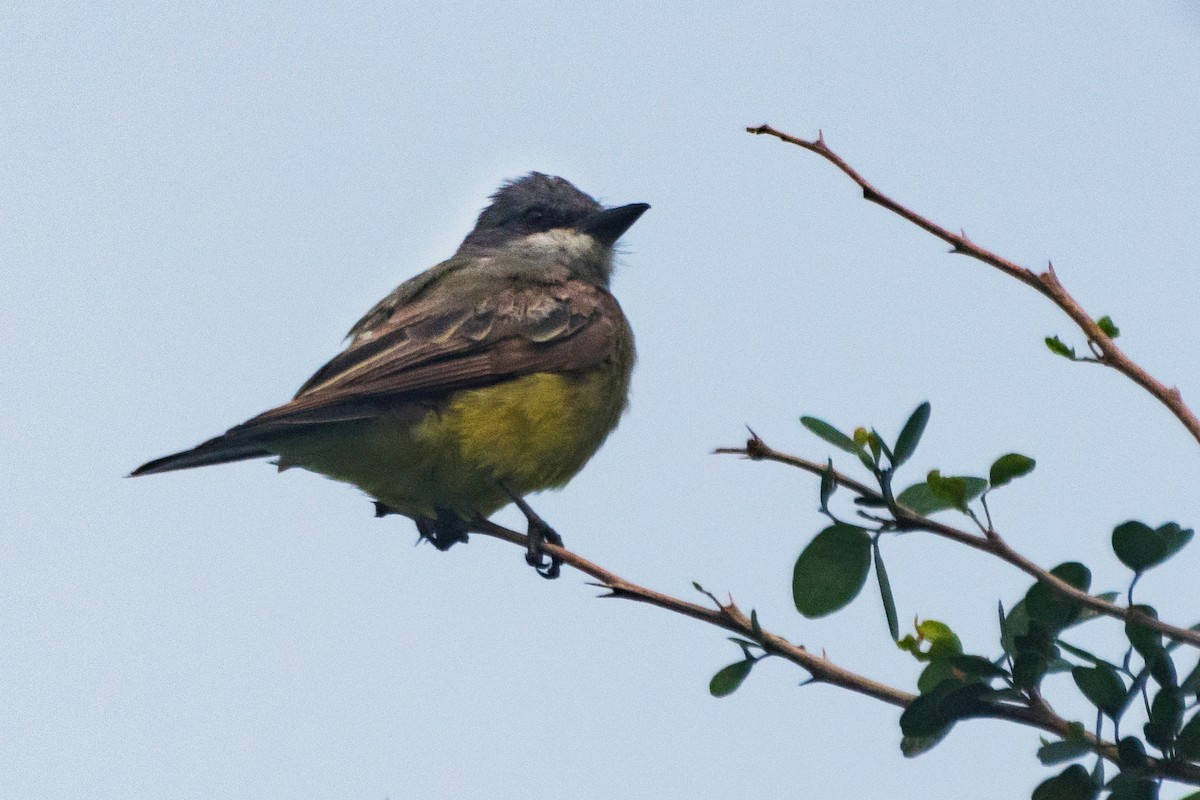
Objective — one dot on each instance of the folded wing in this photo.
(425, 350)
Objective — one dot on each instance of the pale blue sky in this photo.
(199, 200)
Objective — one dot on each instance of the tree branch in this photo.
(729, 617)
(726, 616)
(1046, 283)
(756, 449)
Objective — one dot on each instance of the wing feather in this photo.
(424, 351)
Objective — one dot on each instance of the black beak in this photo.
(608, 225)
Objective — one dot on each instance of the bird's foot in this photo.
(538, 533)
(443, 532)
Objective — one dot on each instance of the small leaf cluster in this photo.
(1146, 674)
(834, 567)
(1060, 348)
(728, 679)
(955, 685)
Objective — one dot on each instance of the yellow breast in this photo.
(531, 433)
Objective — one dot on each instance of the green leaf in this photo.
(1079, 652)
(1073, 783)
(830, 434)
(950, 490)
(1012, 625)
(728, 679)
(1009, 466)
(943, 642)
(1141, 547)
(1162, 669)
(1029, 668)
(1059, 665)
(831, 570)
(920, 499)
(885, 593)
(1132, 754)
(913, 746)
(1045, 605)
(1191, 684)
(1132, 787)
(1059, 349)
(1187, 744)
(910, 434)
(828, 485)
(1103, 687)
(1037, 639)
(875, 442)
(1053, 753)
(1110, 329)
(862, 437)
(1166, 717)
(949, 702)
(935, 672)
(977, 667)
(1145, 640)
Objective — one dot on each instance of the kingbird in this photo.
(496, 373)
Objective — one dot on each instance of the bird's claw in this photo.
(538, 533)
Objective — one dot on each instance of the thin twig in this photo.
(990, 542)
(1046, 283)
(729, 617)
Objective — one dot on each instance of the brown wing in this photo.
(425, 351)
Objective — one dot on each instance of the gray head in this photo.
(544, 217)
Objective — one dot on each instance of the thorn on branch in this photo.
(610, 589)
(730, 608)
(756, 448)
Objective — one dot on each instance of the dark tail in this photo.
(221, 450)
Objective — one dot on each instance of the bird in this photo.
(492, 375)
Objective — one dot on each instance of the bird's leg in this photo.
(538, 533)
